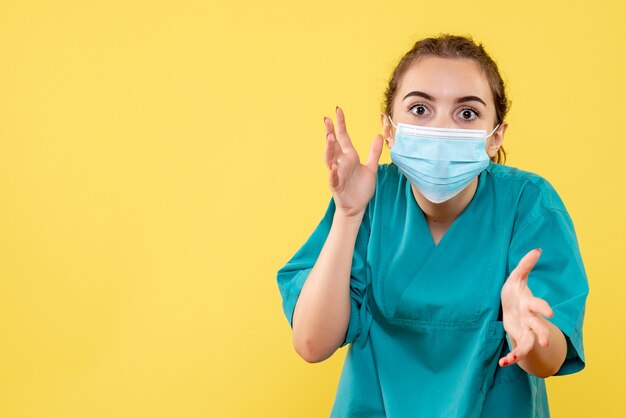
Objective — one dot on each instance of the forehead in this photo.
(445, 79)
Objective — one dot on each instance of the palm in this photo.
(521, 311)
(351, 182)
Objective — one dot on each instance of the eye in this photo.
(418, 109)
(468, 112)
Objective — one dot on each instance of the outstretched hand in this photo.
(522, 312)
(351, 183)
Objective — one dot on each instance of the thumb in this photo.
(375, 151)
(526, 264)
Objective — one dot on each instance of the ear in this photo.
(387, 129)
(495, 141)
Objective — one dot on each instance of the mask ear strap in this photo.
(494, 129)
(394, 125)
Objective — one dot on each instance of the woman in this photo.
(456, 280)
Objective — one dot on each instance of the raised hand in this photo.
(522, 312)
(351, 183)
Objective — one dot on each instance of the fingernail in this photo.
(538, 249)
(514, 357)
(336, 107)
(506, 363)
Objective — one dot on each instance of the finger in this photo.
(526, 264)
(342, 133)
(328, 153)
(337, 149)
(524, 345)
(330, 129)
(541, 331)
(511, 358)
(374, 156)
(540, 306)
(329, 149)
(333, 177)
(508, 360)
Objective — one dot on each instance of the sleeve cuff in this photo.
(290, 299)
(575, 358)
(354, 325)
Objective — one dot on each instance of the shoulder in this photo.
(531, 191)
(387, 168)
(389, 182)
(388, 174)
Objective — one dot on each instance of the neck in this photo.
(446, 212)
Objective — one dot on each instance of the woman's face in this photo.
(445, 93)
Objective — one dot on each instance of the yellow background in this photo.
(161, 160)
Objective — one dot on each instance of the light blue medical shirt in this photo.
(425, 331)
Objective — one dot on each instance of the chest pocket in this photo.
(506, 374)
(496, 343)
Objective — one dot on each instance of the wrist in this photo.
(349, 218)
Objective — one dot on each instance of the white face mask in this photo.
(440, 162)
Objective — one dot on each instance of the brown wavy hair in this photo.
(454, 46)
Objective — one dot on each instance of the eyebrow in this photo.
(459, 100)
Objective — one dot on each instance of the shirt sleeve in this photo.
(558, 277)
(293, 274)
